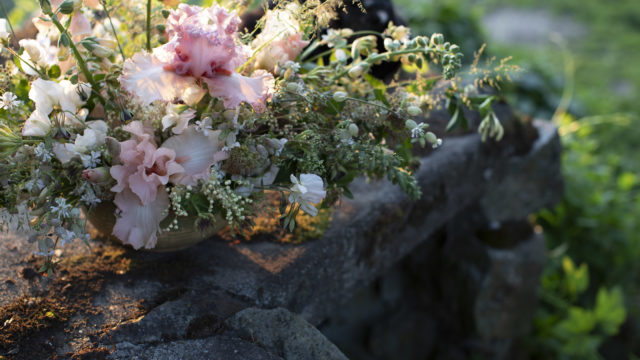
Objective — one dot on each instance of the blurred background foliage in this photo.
(587, 82)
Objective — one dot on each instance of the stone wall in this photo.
(448, 276)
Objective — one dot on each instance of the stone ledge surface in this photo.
(174, 298)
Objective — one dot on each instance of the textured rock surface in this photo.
(288, 334)
(161, 302)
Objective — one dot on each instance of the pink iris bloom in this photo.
(144, 171)
(141, 196)
(203, 48)
(144, 166)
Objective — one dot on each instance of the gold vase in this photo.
(101, 219)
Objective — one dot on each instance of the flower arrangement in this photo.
(193, 116)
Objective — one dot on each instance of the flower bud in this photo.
(353, 129)
(437, 39)
(431, 138)
(229, 115)
(113, 146)
(388, 44)
(414, 110)
(45, 5)
(108, 43)
(63, 53)
(97, 175)
(101, 51)
(231, 139)
(293, 87)
(67, 7)
(410, 124)
(454, 48)
(356, 71)
(421, 41)
(339, 96)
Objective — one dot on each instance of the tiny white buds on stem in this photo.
(356, 71)
(293, 87)
(353, 129)
(414, 110)
(410, 124)
(339, 96)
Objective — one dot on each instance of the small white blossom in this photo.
(42, 153)
(9, 101)
(91, 160)
(416, 132)
(307, 191)
(5, 30)
(90, 198)
(294, 66)
(65, 235)
(62, 210)
(204, 125)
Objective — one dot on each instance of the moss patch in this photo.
(31, 320)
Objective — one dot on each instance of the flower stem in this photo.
(113, 28)
(81, 63)
(44, 76)
(4, 11)
(148, 25)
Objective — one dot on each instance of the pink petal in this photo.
(196, 152)
(80, 25)
(94, 4)
(237, 88)
(121, 175)
(144, 189)
(144, 76)
(138, 224)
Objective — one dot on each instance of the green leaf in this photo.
(578, 321)
(376, 83)
(453, 123)
(576, 279)
(610, 311)
(334, 107)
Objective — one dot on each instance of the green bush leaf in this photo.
(610, 311)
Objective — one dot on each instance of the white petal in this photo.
(308, 207)
(64, 152)
(44, 94)
(70, 99)
(38, 124)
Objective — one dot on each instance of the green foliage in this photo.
(596, 225)
(566, 327)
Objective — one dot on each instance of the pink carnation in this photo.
(203, 48)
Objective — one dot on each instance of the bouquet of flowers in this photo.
(187, 114)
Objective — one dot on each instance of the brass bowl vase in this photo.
(102, 218)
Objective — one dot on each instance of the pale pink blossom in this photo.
(196, 152)
(144, 166)
(280, 40)
(137, 223)
(203, 48)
